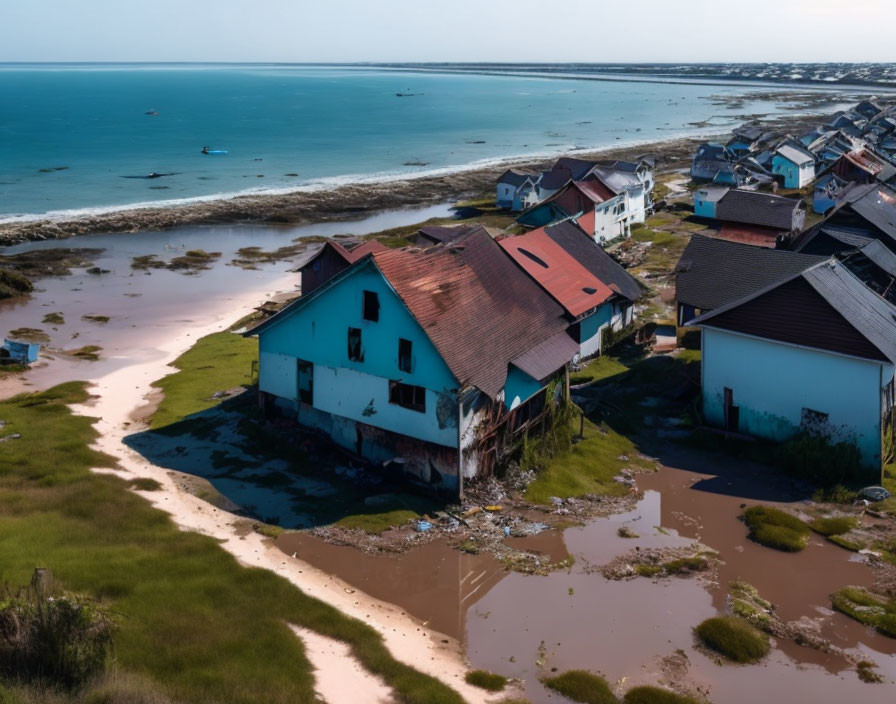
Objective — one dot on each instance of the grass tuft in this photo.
(734, 638)
(865, 607)
(582, 686)
(655, 695)
(836, 525)
(145, 484)
(776, 529)
(486, 680)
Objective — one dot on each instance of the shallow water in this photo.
(77, 137)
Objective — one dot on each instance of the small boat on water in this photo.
(206, 150)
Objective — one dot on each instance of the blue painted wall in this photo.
(519, 387)
(773, 382)
(704, 208)
(590, 330)
(318, 332)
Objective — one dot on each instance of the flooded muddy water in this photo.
(141, 305)
(636, 631)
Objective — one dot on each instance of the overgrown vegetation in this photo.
(54, 319)
(814, 457)
(13, 284)
(218, 362)
(776, 529)
(596, 369)
(52, 637)
(486, 680)
(581, 686)
(733, 638)
(833, 525)
(193, 622)
(867, 608)
(656, 695)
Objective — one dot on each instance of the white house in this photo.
(812, 352)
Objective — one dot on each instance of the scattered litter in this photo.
(495, 508)
(14, 436)
(423, 526)
(506, 530)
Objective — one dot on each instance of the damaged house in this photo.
(750, 217)
(596, 293)
(430, 361)
(814, 351)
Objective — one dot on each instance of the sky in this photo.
(449, 30)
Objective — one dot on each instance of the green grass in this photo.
(197, 624)
(776, 529)
(734, 638)
(88, 352)
(53, 319)
(655, 695)
(597, 369)
(588, 467)
(102, 319)
(486, 680)
(835, 525)
(581, 686)
(867, 608)
(14, 284)
(145, 484)
(215, 363)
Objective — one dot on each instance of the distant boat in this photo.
(151, 112)
(206, 150)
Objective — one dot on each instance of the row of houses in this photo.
(432, 359)
(854, 145)
(605, 198)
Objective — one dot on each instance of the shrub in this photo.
(62, 639)
(837, 494)
(776, 529)
(836, 525)
(655, 695)
(486, 680)
(867, 608)
(581, 686)
(814, 457)
(13, 284)
(734, 638)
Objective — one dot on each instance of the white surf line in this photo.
(123, 390)
(339, 677)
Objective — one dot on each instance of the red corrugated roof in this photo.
(749, 234)
(366, 248)
(568, 282)
(594, 191)
(586, 222)
(480, 311)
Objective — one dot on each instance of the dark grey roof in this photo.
(579, 168)
(865, 312)
(868, 313)
(445, 234)
(881, 255)
(828, 239)
(514, 177)
(755, 208)
(555, 178)
(592, 256)
(877, 205)
(548, 356)
(711, 272)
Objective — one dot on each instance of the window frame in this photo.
(355, 355)
(407, 396)
(370, 306)
(407, 356)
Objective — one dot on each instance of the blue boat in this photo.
(206, 150)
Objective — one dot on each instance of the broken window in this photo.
(814, 421)
(371, 306)
(404, 355)
(407, 396)
(355, 353)
(306, 381)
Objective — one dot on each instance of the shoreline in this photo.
(352, 200)
(119, 402)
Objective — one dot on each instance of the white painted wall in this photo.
(278, 375)
(350, 394)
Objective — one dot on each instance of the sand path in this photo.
(119, 393)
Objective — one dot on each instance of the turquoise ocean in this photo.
(80, 139)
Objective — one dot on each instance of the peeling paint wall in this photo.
(591, 330)
(519, 387)
(772, 383)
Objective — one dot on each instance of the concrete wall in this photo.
(772, 383)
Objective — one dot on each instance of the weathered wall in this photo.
(590, 330)
(519, 387)
(773, 382)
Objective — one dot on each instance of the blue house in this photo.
(795, 163)
(402, 356)
(705, 200)
(811, 352)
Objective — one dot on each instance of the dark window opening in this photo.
(813, 421)
(355, 353)
(371, 306)
(306, 382)
(404, 355)
(407, 396)
(589, 290)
